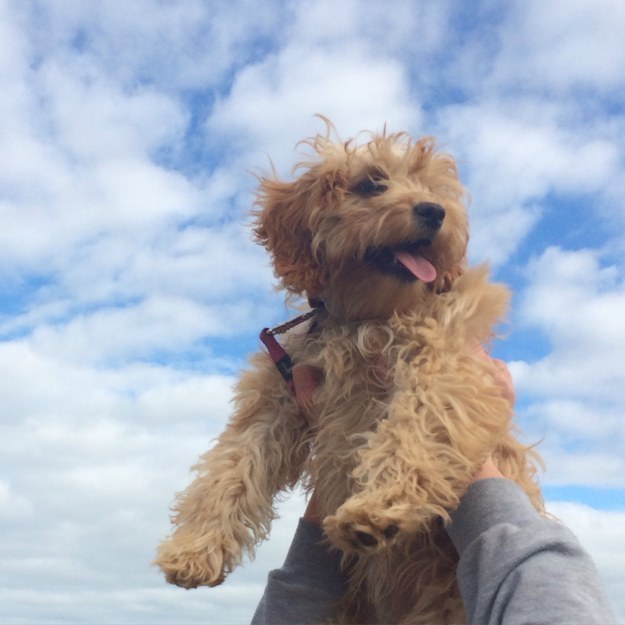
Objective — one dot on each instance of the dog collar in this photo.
(277, 353)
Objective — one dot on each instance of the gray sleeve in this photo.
(517, 567)
(307, 587)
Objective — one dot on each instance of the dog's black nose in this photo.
(432, 215)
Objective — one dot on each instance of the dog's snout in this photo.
(431, 214)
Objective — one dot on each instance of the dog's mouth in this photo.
(407, 262)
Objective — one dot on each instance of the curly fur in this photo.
(407, 411)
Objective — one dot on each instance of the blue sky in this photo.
(131, 293)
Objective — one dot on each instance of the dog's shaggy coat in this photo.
(407, 409)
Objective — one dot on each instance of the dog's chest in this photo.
(358, 363)
(353, 361)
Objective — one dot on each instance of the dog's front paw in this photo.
(191, 569)
(363, 527)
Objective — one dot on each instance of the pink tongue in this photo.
(419, 266)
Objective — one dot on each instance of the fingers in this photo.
(489, 469)
(504, 379)
(502, 376)
(312, 513)
(306, 383)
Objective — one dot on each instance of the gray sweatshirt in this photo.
(516, 568)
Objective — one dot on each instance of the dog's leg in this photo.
(420, 460)
(228, 508)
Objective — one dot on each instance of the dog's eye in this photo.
(369, 187)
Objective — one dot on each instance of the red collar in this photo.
(278, 354)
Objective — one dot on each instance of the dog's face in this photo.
(368, 229)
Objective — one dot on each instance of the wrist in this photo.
(488, 469)
(312, 513)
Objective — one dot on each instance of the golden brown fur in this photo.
(407, 409)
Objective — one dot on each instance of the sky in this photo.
(131, 293)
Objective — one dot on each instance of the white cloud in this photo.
(90, 212)
(577, 303)
(563, 45)
(535, 124)
(600, 466)
(14, 508)
(158, 323)
(90, 462)
(409, 28)
(106, 452)
(56, 204)
(271, 104)
(516, 152)
(602, 534)
(92, 117)
(351, 68)
(74, 395)
(176, 45)
(572, 396)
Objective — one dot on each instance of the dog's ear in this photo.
(284, 225)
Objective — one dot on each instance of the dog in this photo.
(407, 408)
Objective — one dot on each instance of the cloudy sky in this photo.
(130, 293)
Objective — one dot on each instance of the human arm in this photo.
(310, 582)
(308, 586)
(517, 567)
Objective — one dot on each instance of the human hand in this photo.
(489, 469)
(502, 375)
(306, 381)
(312, 513)
(503, 379)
